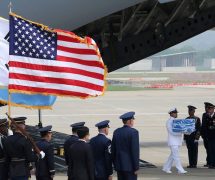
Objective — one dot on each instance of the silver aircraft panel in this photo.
(66, 14)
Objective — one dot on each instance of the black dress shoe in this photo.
(206, 165)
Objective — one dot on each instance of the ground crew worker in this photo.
(204, 132)
(19, 152)
(174, 142)
(192, 139)
(125, 149)
(101, 147)
(4, 168)
(71, 140)
(45, 169)
(81, 157)
(210, 124)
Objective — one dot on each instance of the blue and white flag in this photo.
(17, 99)
(27, 100)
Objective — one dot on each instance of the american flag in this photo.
(53, 61)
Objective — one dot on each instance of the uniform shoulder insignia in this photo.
(109, 149)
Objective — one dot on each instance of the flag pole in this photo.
(9, 110)
(40, 124)
(9, 104)
(9, 95)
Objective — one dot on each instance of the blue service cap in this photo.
(102, 124)
(127, 116)
(46, 129)
(3, 121)
(77, 125)
(20, 120)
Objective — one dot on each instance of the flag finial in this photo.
(10, 7)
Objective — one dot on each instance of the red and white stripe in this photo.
(78, 70)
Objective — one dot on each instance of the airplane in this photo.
(126, 31)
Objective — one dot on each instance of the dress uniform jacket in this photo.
(204, 126)
(20, 154)
(101, 147)
(196, 134)
(45, 167)
(81, 161)
(191, 143)
(210, 123)
(204, 134)
(71, 140)
(4, 169)
(125, 149)
(174, 139)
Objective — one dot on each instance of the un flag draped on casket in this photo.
(186, 126)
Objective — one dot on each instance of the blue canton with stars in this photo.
(31, 40)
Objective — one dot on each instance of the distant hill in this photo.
(204, 41)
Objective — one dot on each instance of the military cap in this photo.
(3, 121)
(77, 125)
(173, 110)
(102, 124)
(208, 105)
(46, 129)
(127, 116)
(20, 120)
(191, 107)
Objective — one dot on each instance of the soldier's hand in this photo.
(42, 154)
(110, 177)
(135, 172)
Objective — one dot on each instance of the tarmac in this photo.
(151, 107)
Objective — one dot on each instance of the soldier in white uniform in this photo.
(174, 142)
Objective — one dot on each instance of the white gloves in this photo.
(42, 154)
(10, 132)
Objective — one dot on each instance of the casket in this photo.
(186, 126)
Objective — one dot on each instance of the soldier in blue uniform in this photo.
(19, 152)
(101, 147)
(45, 169)
(210, 125)
(204, 132)
(71, 140)
(125, 149)
(4, 169)
(192, 139)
